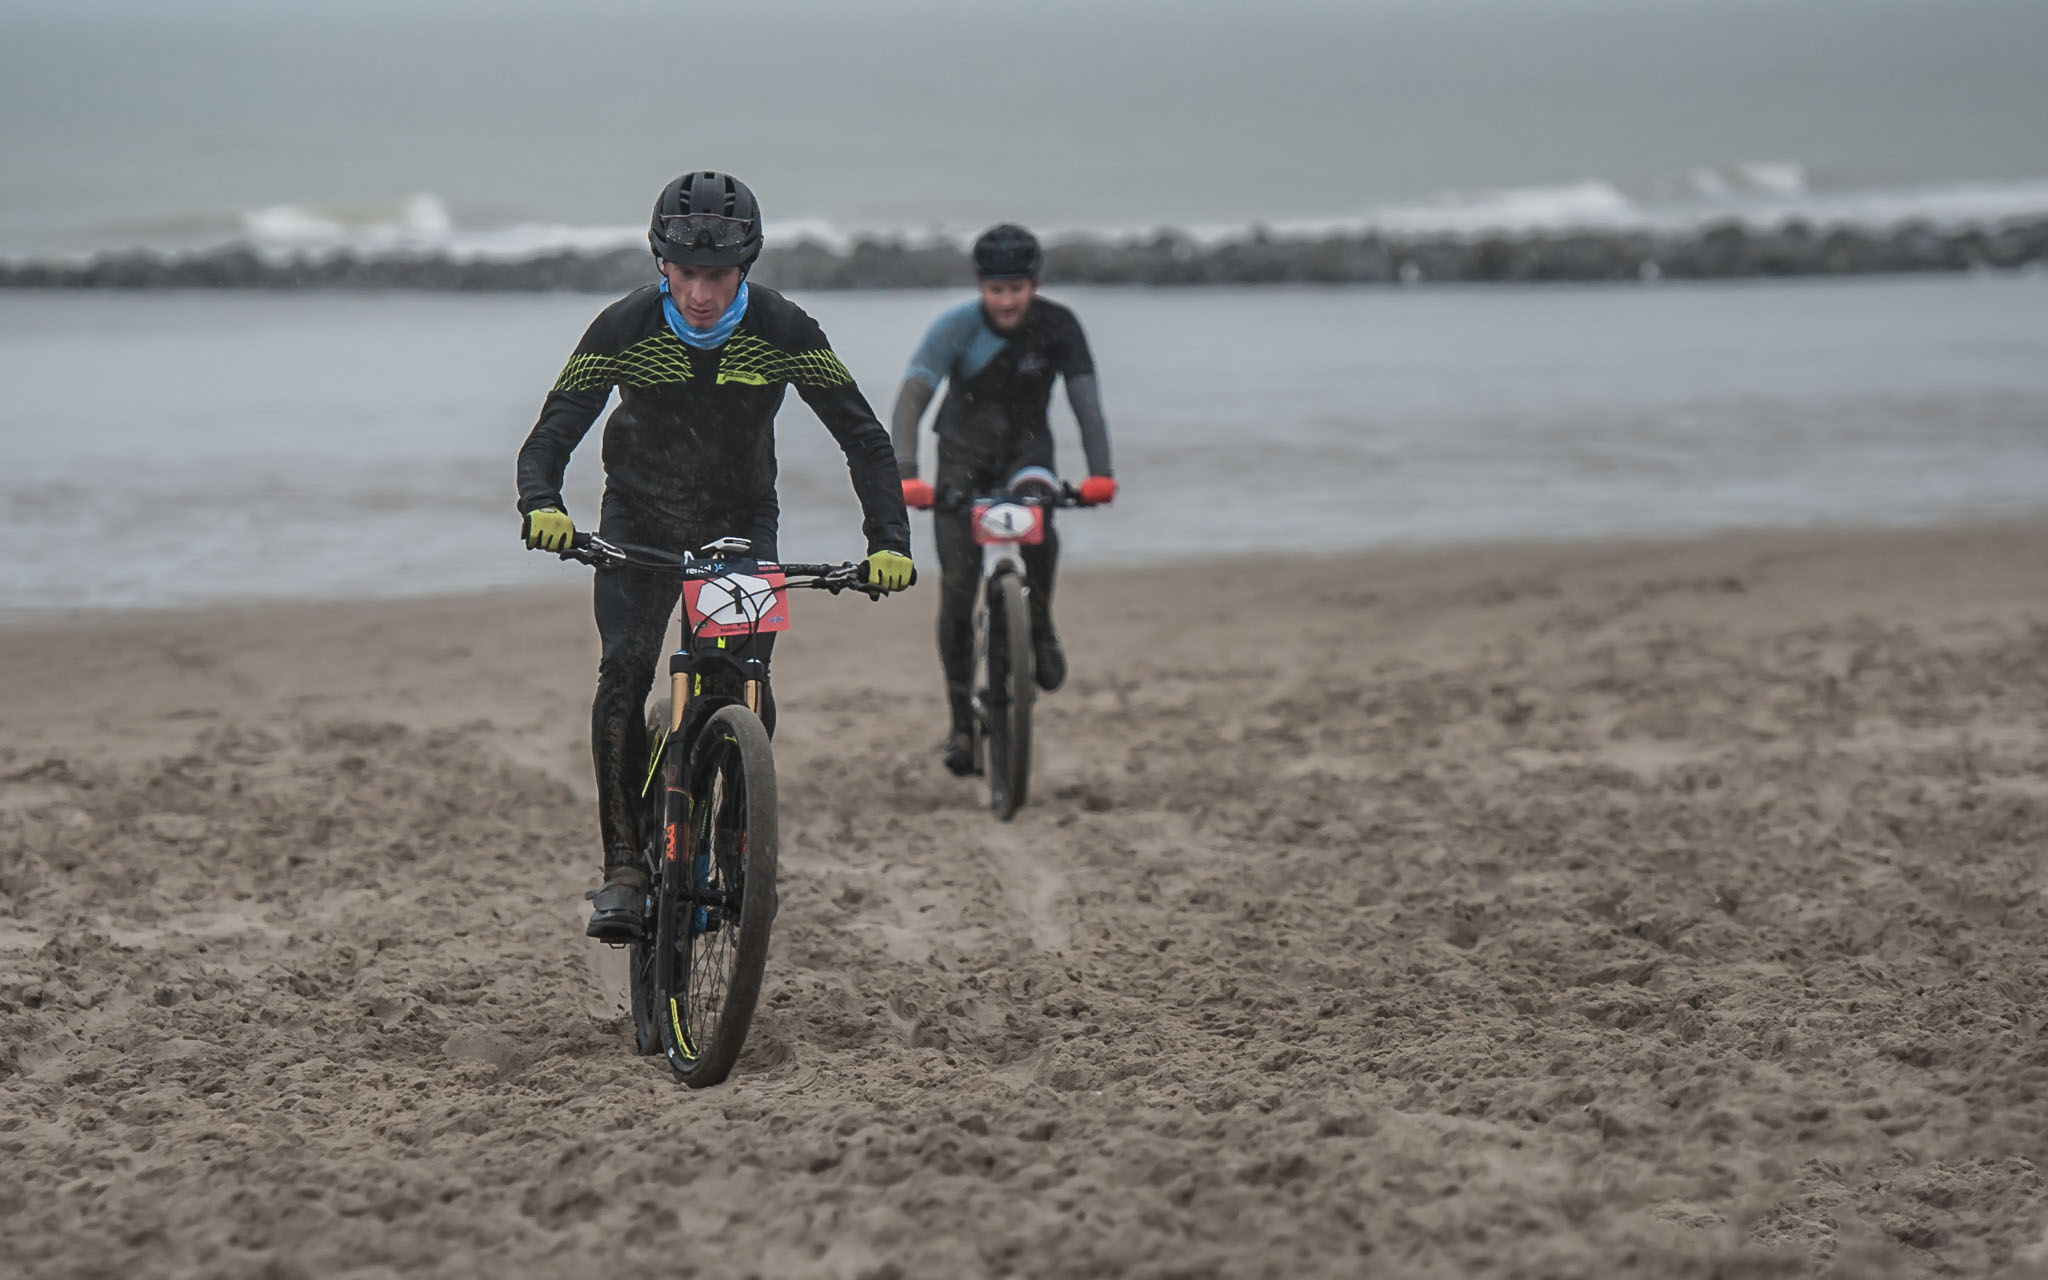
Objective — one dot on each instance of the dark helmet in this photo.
(706, 219)
(1007, 251)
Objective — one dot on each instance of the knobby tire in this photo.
(1011, 689)
(718, 900)
(641, 957)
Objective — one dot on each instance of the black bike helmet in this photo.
(1007, 251)
(706, 219)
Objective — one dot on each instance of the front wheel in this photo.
(718, 898)
(1011, 690)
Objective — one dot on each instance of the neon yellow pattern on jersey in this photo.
(755, 362)
(653, 361)
(661, 360)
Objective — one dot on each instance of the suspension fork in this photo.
(682, 685)
(679, 683)
(997, 559)
(675, 836)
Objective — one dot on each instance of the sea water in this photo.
(175, 448)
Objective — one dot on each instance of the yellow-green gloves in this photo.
(889, 570)
(548, 529)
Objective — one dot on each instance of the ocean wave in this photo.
(418, 224)
(1760, 195)
(1761, 218)
(416, 219)
(1770, 177)
(1515, 210)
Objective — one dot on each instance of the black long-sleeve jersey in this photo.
(999, 384)
(692, 443)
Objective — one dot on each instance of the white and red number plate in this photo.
(1008, 522)
(738, 604)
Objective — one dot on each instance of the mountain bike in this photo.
(1003, 523)
(708, 835)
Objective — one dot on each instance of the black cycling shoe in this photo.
(1049, 659)
(620, 913)
(959, 755)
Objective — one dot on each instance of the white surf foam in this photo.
(1761, 194)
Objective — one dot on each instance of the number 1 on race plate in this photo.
(737, 604)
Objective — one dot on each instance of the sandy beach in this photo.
(1618, 909)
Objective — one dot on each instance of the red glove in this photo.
(917, 493)
(1098, 491)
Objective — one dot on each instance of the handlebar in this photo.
(588, 548)
(955, 499)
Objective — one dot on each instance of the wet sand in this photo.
(1608, 909)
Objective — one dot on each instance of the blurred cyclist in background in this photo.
(998, 356)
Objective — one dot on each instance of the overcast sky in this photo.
(921, 111)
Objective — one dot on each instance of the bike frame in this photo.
(1002, 540)
(729, 596)
(998, 557)
(691, 661)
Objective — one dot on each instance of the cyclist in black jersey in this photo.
(701, 361)
(998, 356)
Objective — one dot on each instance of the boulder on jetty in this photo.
(1722, 250)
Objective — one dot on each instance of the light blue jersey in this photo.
(999, 385)
(959, 345)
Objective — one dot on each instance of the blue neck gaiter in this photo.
(704, 339)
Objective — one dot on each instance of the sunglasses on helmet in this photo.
(706, 231)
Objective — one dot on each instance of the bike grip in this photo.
(861, 575)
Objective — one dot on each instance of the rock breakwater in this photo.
(1723, 250)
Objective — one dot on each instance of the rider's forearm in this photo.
(565, 418)
(1085, 395)
(912, 399)
(870, 461)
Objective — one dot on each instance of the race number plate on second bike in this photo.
(737, 604)
(998, 523)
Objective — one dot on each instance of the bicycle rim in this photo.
(715, 924)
